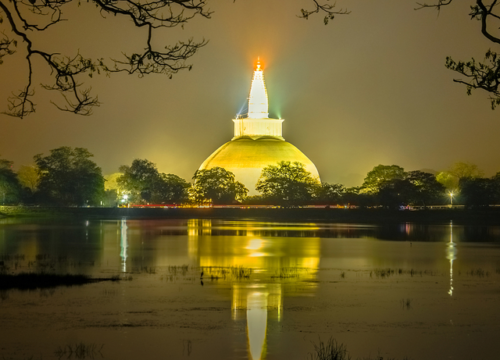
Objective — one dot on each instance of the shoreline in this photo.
(488, 216)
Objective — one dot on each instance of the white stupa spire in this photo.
(258, 124)
(258, 106)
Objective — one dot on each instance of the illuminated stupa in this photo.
(257, 141)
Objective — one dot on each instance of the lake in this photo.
(208, 289)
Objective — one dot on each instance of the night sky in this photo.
(370, 88)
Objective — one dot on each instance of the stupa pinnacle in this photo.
(257, 141)
(257, 123)
(258, 105)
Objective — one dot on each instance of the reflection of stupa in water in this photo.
(278, 263)
(257, 141)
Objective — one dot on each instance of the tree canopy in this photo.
(218, 186)
(451, 178)
(9, 185)
(287, 182)
(69, 177)
(330, 193)
(379, 175)
(478, 191)
(144, 184)
(392, 186)
(29, 177)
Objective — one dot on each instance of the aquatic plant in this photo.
(382, 273)
(478, 272)
(79, 351)
(288, 273)
(329, 350)
(183, 269)
(333, 350)
(150, 270)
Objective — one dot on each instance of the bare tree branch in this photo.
(479, 75)
(437, 5)
(6, 45)
(325, 8)
(66, 70)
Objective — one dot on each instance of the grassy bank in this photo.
(489, 216)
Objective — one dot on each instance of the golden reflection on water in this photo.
(275, 262)
(123, 244)
(451, 252)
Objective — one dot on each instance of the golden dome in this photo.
(245, 157)
(257, 141)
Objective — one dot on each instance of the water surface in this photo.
(268, 290)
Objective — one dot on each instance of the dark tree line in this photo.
(65, 177)
(69, 177)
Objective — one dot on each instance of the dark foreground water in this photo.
(268, 290)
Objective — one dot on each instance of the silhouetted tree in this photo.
(287, 182)
(29, 177)
(395, 193)
(10, 189)
(379, 175)
(478, 75)
(426, 189)
(69, 177)
(138, 180)
(479, 192)
(449, 181)
(144, 184)
(330, 193)
(460, 170)
(218, 186)
(464, 170)
(171, 189)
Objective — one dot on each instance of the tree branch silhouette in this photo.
(483, 75)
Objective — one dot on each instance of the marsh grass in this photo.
(32, 281)
(147, 270)
(330, 350)
(79, 351)
(182, 269)
(478, 272)
(384, 273)
(288, 273)
(225, 273)
(40, 263)
(333, 350)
